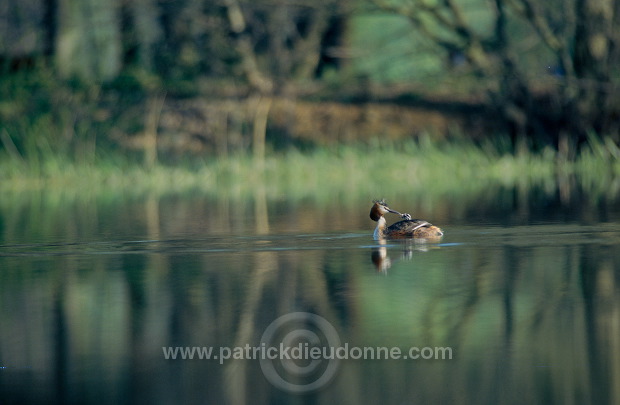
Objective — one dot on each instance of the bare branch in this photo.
(244, 46)
(460, 24)
(463, 39)
(541, 25)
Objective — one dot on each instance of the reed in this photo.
(371, 169)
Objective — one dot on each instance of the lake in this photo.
(104, 299)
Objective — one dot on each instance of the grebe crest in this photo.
(407, 228)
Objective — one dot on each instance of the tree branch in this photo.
(244, 46)
(542, 27)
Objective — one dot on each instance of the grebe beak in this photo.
(393, 211)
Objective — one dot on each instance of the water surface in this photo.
(524, 290)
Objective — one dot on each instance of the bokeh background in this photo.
(173, 79)
(183, 172)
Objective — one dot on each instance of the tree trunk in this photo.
(592, 58)
(147, 30)
(89, 41)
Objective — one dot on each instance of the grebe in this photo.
(408, 228)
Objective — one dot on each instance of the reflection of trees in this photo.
(265, 264)
(526, 315)
(600, 287)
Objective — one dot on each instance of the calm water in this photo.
(524, 290)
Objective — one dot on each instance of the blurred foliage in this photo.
(80, 75)
(458, 170)
(548, 70)
(387, 51)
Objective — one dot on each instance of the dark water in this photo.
(524, 291)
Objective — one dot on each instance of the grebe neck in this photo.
(379, 229)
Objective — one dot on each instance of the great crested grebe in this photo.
(407, 228)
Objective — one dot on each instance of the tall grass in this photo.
(375, 169)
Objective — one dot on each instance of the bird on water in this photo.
(407, 228)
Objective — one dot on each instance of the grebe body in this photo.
(407, 228)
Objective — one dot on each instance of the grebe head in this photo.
(377, 212)
(379, 209)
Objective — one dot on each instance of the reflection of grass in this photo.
(325, 174)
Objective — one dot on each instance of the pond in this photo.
(105, 299)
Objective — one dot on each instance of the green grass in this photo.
(53, 138)
(376, 170)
